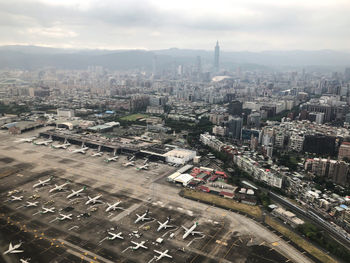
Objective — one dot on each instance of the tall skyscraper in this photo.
(216, 57)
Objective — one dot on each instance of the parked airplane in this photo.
(113, 206)
(24, 260)
(58, 187)
(47, 210)
(27, 139)
(76, 193)
(143, 167)
(64, 217)
(114, 158)
(42, 183)
(81, 150)
(164, 225)
(13, 249)
(142, 217)
(63, 146)
(31, 204)
(93, 200)
(114, 236)
(43, 142)
(190, 231)
(98, 154)
(138, 245)
(162, 255)
(131, 163)
(16, 198)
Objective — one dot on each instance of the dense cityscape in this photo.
(174, 155)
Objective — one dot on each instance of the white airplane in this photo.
(31, 204)
(13, 249)
(114, 236)
(58, 187)
(131, 163)
(63, 146)
(47, 210)
(113, 206)
(114, 158)
(93, 200)
(24, 260)
(138, 245)
(42, 183)
(27, 139)
(164, 225)
(143, 167)
(98, 154)
(76, 193)
(81, 150)
(190, 231)
(142, 217)
(16, 198)
(43, 142)
(64, 217)
(162, 255)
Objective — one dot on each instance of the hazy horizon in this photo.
(249, 25)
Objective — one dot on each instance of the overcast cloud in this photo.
(252, 25)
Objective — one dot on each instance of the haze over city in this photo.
(174, 131)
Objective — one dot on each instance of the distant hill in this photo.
(35, 57)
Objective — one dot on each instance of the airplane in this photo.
(24, 260)
(31, 204)
(93, 200)
(114, 236)
(138, 245)
(143, 167)
(64, 217)
(113, 207)
(43, 142)
(76, 193)
(99, 154)
(131, 163)
(13, 249)
(164, 225)
(142, 217)
(190, 230)
(58, 187)
(114, 158)
(58, 146)
(27, 139)
(47, 210)
(16, 198)
(42, 183)
(162, 255)
(81, 150)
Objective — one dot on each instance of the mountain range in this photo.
(36, 57)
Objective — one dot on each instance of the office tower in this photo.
(235, 108)
(235, 127)
(216, 57)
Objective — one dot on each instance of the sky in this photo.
(238, 25)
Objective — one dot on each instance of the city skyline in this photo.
(151, 25)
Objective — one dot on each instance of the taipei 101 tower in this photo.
(216, 57)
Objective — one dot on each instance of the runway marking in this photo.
(81, 250)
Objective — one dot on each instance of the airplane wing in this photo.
(16, 251)
(167, 255)
(157, 251)
(186, 229)
(196, 232)
(159, 222)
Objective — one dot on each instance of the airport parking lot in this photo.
(83, 238)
